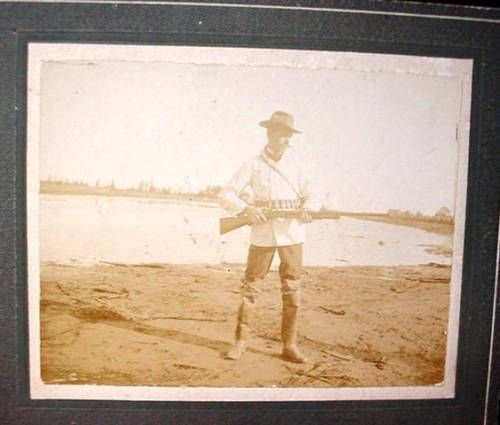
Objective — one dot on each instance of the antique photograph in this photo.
(215, 223)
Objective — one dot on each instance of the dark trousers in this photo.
(258, 264)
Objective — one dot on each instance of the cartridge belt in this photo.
(279, 204)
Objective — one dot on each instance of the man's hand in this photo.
(255, 215)
(305, 216)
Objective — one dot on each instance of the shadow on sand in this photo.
(112, 318)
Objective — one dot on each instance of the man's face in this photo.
(278, 140)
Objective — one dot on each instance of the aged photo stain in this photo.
(260, 226)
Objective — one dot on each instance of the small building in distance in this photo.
(443, 214)
(394, 213)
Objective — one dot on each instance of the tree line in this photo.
(143, 186)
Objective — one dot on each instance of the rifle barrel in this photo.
(228, 224)
(318, 215)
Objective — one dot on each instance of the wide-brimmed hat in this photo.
(280, 119)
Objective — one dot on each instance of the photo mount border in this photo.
(448, 411)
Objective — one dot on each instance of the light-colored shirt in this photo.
(257, 181)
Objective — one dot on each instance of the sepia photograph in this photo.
(215, 223)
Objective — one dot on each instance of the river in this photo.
(91, 229)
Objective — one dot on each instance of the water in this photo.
(89, 229)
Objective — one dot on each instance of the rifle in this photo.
(227, 224)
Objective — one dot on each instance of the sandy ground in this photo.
(170, 325)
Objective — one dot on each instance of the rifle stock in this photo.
(228, 224)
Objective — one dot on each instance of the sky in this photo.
(371, 140)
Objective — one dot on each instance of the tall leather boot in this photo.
(289, 324)
(242, 329)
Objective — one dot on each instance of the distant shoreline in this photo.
(74, 189)
(445, 228)
(429, 224)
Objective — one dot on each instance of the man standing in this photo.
(272, 180)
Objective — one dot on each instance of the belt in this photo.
(279, 204)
